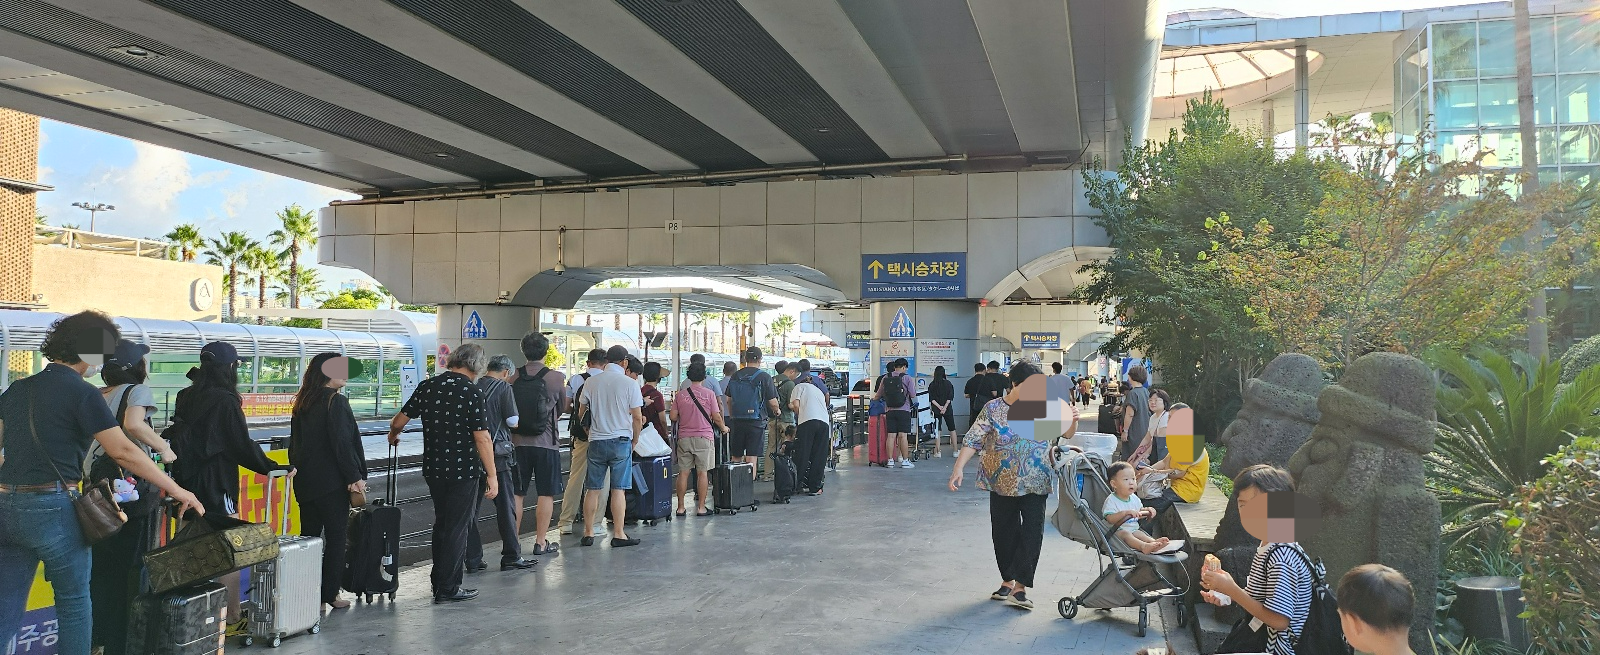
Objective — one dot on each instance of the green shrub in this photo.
(1557, 535)
(1579, 358)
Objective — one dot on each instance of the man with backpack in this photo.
(784, 382)
(541, 397)
(752, 400)
(897, 391)
(572, 500)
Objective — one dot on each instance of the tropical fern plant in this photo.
(1500, 417)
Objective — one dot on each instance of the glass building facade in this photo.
(1462, 77)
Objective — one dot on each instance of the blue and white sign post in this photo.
(473, 327)
(914, 276)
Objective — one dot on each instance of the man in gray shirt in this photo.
(1135, 411)
(501, 414)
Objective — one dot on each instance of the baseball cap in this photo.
(221, 352)
(127, 354)
(617, 353)
(752, 353)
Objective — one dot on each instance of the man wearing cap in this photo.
(752, 399)
(655, 404)
(616, 403)
(572, 500)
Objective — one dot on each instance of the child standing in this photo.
(1123, 504)
(1375, 608)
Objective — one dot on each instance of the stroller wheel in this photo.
(1068, 608)
(1144, 618)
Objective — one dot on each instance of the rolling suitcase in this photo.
(877, 442)
(655, 503)
(733, 485)
(185, 621)
(286, 591)
(785, 480)
(372, 554)
(1106, 419)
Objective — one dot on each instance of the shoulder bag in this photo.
(98, 514)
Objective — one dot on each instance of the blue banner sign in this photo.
(1041, 340)
(858, 339)
(910, 276)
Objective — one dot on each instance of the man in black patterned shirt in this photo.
(456, 451)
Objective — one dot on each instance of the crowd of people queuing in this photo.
(490, 433)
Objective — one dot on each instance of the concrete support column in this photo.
(1302, 99)
(505, 325)
(943, 320)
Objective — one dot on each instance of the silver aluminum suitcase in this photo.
(286, 592)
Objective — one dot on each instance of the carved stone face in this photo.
(1278, 414)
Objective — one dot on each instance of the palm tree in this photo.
(267, 267)
(309, 284)
(387, 294)
(722, 331)
(187, 239)
(781, 327)
(229, 252)
(703, 321)
(299, 230)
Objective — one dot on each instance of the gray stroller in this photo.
(1128, 577)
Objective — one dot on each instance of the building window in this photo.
(1579, 41)
(1455, 104)
(1455, 50)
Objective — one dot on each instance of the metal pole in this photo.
(1538, 331)
(1302, 99)
(677, 308)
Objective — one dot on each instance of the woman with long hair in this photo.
(325, 449)
(942, 395)
(212, 441)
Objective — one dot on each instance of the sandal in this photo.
(704, 513)
(682, 513)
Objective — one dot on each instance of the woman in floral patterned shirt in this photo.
(1015, 467)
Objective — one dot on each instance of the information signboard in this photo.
(914, 275)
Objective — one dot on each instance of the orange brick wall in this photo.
(19, 160)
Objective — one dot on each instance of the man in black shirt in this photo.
(977, 393)
(456, 451)
(999, 383)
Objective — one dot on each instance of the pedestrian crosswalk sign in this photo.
(473, 328)
(902, 328)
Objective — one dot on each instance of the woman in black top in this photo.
(325, 449)
(942, 394)
(212, 441)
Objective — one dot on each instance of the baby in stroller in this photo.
(1124, 510)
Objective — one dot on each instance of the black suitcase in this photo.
(733, 485)
(372, 554)
(185, 621)
(1106, 422)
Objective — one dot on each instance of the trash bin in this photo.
(1488, 607)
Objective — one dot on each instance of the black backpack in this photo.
(1323, 634)
(894, 391)
(534, 408)
(579, 429)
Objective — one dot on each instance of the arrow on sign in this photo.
(875, 267)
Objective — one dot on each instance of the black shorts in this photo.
(897, 422)
(948, 419)
(539, 466)
(747, 438)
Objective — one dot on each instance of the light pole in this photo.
(92, 209)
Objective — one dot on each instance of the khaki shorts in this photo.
(694, 453)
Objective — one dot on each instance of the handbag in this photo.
(209, 547)
(1244, 638)
(877, 408)
(651, 444)
(99, 517)
(358, 499)
(100, 466)
(1153, 483)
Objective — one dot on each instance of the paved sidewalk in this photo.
(888, 561)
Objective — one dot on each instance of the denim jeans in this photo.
(613, 455)
(43, 527)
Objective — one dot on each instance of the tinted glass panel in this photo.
(1455, 104)
(1455, 50)
(1578, 42)
(1576, 102)
(1497, 52)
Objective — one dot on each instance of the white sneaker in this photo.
(906, 464)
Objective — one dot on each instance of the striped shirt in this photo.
(1280, 580)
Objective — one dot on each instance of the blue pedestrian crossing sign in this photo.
(473, 328)
(902, 328)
